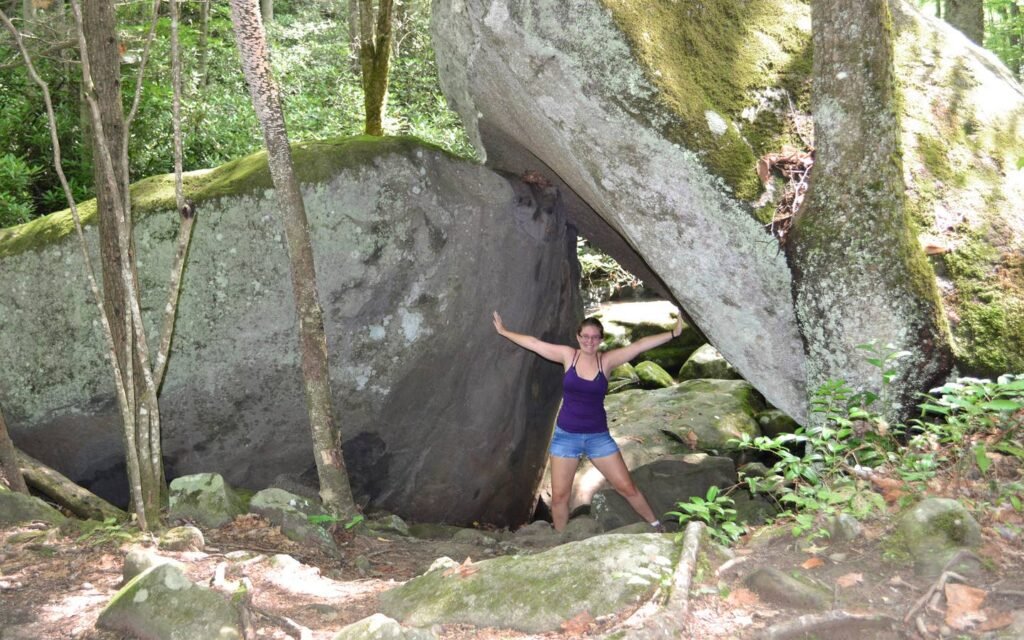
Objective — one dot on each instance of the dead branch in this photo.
(9, 467)
(66, 493)
(817, 624)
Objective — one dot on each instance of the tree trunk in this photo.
(9, 466)
(202, 45)
(101, 75)
(858, 272)
(267, 9)
(69, 495)
(334, 485)
(968, 16)
(353, 35)
(375, 61)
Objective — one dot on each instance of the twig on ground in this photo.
(935, 589)
(679, 598)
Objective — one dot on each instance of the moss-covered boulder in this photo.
(652, 116)
(203, 498)
(16, 508)
(413, 248)
(380, 627)
(652, 376)
(538, 593)
(707, 362)
(301, 519)
(933, 531)
(163, 604)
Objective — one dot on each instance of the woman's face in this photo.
(589, 338)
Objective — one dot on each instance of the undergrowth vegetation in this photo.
(967, 443)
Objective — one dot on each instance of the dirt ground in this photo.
(54, 587)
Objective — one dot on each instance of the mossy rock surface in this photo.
(653, 376)
(16, 508)
(538, 593)
(707, 362)
(204, 498)
(161, 603)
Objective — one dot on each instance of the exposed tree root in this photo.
(822, 623)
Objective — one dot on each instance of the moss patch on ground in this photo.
(315, 163)
(721, 57)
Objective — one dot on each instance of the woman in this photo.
(582, 425)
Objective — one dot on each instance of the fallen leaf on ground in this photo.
(812, 563)
(742, 597)
(691, 439)
(467, 568)
(963, 606)
(996, 620)
(850, 579)
(579, 624)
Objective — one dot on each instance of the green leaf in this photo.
(1002, 405)
(1010, 449)
(981, 458)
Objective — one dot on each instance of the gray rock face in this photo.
(537, 593)
(441, 418)
(707, 362)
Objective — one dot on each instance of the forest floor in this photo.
(54, 587)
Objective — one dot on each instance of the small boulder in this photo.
(652, 376)
(773, 585)
(162, 604)
(934, 530)
(664, 483)
(184, 538)
(204, 498)
(707, 362)
(774, 423)
(380, 627)
(583, 527)
(386, 524)
(139, 559)
(295, 515)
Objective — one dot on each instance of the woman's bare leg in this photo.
(613, 468)
(563, 470)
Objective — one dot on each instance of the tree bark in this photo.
(9, 459)
(101, 82)
(66, 493)
(968, 16)
(267, 10)
(334, 485)
(859, 274)
(375, 61)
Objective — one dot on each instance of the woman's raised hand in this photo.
(499, 326)
(678, 329)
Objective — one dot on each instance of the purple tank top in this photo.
(583, 403)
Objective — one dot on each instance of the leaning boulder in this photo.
(413, 248)
(703, 91)
(162, 604)
(537, 593)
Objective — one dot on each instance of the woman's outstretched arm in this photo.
(622, 355)
(554, 352)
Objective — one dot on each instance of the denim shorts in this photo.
(573, 445)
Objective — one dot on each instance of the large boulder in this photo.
(537, 593)
(652, 116)
(441, 418)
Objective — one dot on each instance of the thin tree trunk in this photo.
(250, 36)
(9, 459)
(203, 45)
(859, 273)
(101, 80)
(375, 61)
(353, 36)
(267, 10)
(968, 16)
